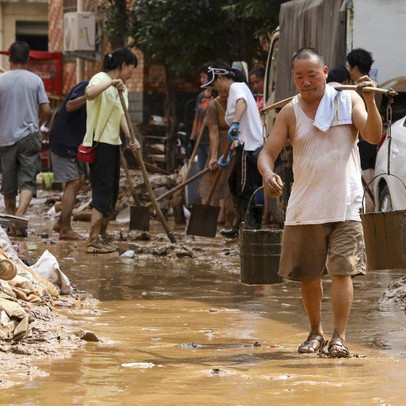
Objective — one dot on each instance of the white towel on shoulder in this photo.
(335, 108)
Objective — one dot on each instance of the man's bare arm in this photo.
(214, 145)
(44, 113)
(75, 104)
(368, 122)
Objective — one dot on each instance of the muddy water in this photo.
(184, 331)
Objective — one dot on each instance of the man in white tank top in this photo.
(323, 231)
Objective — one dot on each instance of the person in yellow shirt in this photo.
(105, 117)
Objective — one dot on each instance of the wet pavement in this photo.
(184, 331)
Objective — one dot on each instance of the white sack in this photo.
(47, 266)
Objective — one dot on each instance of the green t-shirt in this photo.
(104, 114)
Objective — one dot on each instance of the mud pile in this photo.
(395, 293)
(31, 326)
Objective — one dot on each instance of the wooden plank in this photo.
(13, 221)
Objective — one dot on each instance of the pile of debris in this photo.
(395, 293)
(29, 324)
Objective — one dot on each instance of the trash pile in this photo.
(29, 324)
(395, 293)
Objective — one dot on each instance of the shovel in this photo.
(203, 218)
(139, 214)
(178, 199)
(145, 174)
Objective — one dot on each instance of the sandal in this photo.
(337, 349)
(314, 343)
(17, 232)
(100, 247)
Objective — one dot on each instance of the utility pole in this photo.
(80, 65)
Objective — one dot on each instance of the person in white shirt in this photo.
(246, 131)
(323, 231)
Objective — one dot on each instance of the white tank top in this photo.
(327, 174)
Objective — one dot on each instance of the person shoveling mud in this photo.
(323, 230)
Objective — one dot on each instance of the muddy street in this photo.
(181, 329)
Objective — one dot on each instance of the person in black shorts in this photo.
(66, 134)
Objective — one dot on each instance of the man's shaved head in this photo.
(307, 53)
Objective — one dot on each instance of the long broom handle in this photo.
(218, 174)
(144, 171)
(129, 180)
(194, 152)
(180, 186)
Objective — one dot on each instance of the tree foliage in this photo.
(180, 34)
(184, 34)
(116, 21)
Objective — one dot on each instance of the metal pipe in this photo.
(80, 63)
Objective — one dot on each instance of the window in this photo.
(69, 6)
(35, 33)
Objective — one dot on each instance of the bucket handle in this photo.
(363, 209)
(249, 204)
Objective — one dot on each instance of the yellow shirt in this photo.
(104, 114)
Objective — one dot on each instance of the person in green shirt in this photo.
(105, 117)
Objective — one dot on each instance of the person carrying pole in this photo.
(323, 231)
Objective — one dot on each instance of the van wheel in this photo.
(385, 201)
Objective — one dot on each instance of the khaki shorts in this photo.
(310, 251)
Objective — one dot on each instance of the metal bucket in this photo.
(260, 251)
(385, 239)
(385, 232)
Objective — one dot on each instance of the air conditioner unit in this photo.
(79, 32)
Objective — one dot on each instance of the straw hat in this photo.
(8, 270)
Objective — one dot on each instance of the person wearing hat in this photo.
(246, 132)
